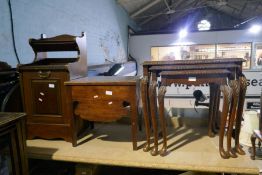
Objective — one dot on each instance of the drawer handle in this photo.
(44, 74)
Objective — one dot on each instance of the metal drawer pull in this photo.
(44, 74)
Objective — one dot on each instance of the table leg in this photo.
(153, 111)
(216, 110)
(234, 84)
(241, 100)
(214, 102)
(161, 95)
(74, 128)
(134, 115)
(144, 98)
(227, 96)
(253, 149)
(211, 109)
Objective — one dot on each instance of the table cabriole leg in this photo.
(241, 100)
(153, 111)
(253, 149)
(234, 84)
(161, 95)
(144, 93)
(227, 96)
(211, 111)
(216, 109)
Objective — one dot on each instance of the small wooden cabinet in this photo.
(45, 98)
(46, 103)
(13, 158)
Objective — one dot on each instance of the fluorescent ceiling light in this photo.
(255, 29)
(183, 33)
(203, 25)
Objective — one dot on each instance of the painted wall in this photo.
(139, 46)
(104, 21)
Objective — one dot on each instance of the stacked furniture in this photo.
(45, 98)
(216, 72)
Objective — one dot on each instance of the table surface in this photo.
(105, 80)
(6, 117)
(197, 72)
(203, 61)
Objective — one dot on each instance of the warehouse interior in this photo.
(130, 86)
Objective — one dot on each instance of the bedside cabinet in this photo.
(45, 97)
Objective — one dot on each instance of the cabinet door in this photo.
(45, 99)
(46, 95)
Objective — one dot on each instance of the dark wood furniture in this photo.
(257, 134)
(45, 98)
(10, 93)
(193, 77)
(13, 159)
(105, 99)
(153, 69)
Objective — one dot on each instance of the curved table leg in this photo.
(234, 84)
(161, 95)
(241, 100)
(144, 98)
(227, 96)
(153, 111)
(216, 109)
(253, 149)
(211, 110)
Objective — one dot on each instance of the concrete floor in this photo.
(189, 149)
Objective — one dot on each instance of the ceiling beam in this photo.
(243, 9)
(167, 5)
(146, 7)
(184, 11)
(155, 16)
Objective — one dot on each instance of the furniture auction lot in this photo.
(188, 149)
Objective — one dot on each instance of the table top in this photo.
(196, 72)
(193, 67)
(105, 80)
(203, 61)
(6, 117)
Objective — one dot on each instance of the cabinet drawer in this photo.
(101, 110)
(46, 74)
(102, 92)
